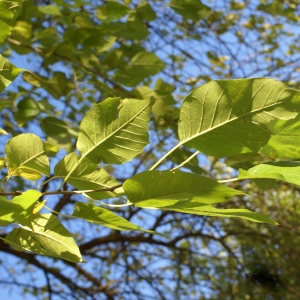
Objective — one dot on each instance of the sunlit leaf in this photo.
(25, 156)
(19, 209)
(231, 117)
(8, 73)
(115, 130)
(167, 188)
(104, 217)
(47, 237)
(86, 176)
(288, 171)
(190, 9)
(284, 141)
(9, 11)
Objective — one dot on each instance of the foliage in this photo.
(105, 98)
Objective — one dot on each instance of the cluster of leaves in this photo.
(104, 56)
(221, 118)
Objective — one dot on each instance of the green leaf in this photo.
(47, 237)
(19, 209)
(86, 176)
(145, 10)
(8, 73)
(57, 86)
(25, 156)
(112, 11)
(181, 189)
(288, 171)
(228, 213)
(50, 10)
(27, 109)
(185, 193)
(284, 141)
(231, 117)
(142, 65)
(57, 132)
(9, 11)
(190, 9)
(115, 130)
(104, 217)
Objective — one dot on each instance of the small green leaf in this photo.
(57, 86)
(47, 237)
(9, 11)
(104, 217)
(86, 176)
(112, 11)
(8, 73)
(57, 132)
(115, 130)
(145, 10)
(142, 65)
(19, 209)
(27, 109)
(190, 9)
(50, 10)
(25, 156)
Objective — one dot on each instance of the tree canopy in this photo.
(149, 149)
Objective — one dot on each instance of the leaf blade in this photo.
(115, 131)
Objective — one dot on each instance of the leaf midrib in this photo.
(228, 121)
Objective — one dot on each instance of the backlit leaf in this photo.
(115, 130)
(8, 73)
(104, 217)
(25, 156)
(231, 117)
(288, 171)
(86, 176)
(167, 188)
(19, 209)
(47, 237)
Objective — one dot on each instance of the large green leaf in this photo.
(167, 188)
(185, 193)
(86, 176)
(104, 217)
(25, 156)
(230, 117)
(115, 130)
(19, 209)
(288, 171)
(47, 237)
(8, 72)
(228, 213)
